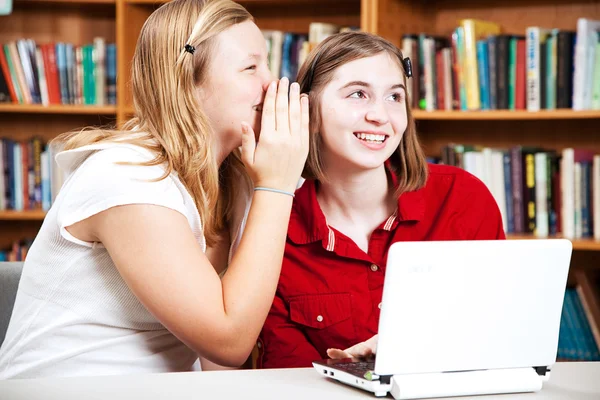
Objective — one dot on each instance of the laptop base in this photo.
(441, 384)
(468, 383)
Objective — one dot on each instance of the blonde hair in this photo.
(408, 163)
(169, 119)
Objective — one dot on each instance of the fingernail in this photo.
(295, 87)
(273, 85)
(284, 80)
(244, 128)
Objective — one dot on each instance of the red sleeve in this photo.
(481, 218)
(281, 343)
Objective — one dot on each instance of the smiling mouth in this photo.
(371, 137)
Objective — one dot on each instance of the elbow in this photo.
(233, 357)
(235, 360)
(228, 351)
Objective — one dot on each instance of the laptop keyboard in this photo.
(359, 368)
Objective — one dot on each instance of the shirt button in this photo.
(319, 318)
(259, 345)
(374, 267)
(379, 306)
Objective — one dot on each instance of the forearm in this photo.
(250, 283)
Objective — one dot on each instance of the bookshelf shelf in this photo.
(74, 2)
(505, 115)
(253, 2)
(587, 244)
(30, 215)
(57, 109)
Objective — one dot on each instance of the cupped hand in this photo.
(277, 160)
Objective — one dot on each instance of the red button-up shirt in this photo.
(330, 290)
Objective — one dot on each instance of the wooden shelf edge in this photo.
(29, 215)
(250, 2)
(503, 115)
(57, 109)
(578, 244)
(73, 2)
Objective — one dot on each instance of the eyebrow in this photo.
(254, 56)
(365, 84)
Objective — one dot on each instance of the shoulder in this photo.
(101, 156)
(98, 178)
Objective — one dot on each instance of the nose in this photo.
(376, 113)
(266, 78)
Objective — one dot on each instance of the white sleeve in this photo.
(100, 183)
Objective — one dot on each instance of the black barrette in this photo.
(190, 49)
(407, 67)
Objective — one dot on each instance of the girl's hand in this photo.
(366, 349)
(278, 159)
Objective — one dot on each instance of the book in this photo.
(474, 30)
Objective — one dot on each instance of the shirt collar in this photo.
(308, 223)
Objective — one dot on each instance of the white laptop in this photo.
(464, 318)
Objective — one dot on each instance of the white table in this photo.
(569, 381)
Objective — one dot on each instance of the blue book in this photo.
(46, 171)
(590, 349)
(286, 56)
(460, 45)
(18, 181)
(61, 65)
(483, 71)
(572, 341)
(493, 67)
(510, 213)
(586, 199)
(564, 333)
(70, 67)
(111, 73)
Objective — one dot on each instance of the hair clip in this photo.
(190, 49)
(407, 67)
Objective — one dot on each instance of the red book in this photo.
(6, 72)
(51, 72)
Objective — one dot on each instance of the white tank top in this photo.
(74, 315)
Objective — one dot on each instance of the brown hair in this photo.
(169, 119)
(408, 163)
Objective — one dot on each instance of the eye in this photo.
(251, 68)
(359, 94)
(396, 97)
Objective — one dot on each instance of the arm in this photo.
(219, 321)
(282, 343)
(158, 257)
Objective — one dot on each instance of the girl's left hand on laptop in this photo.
(363, 350)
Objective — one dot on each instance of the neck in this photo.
(222, 151)
(361, 197)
